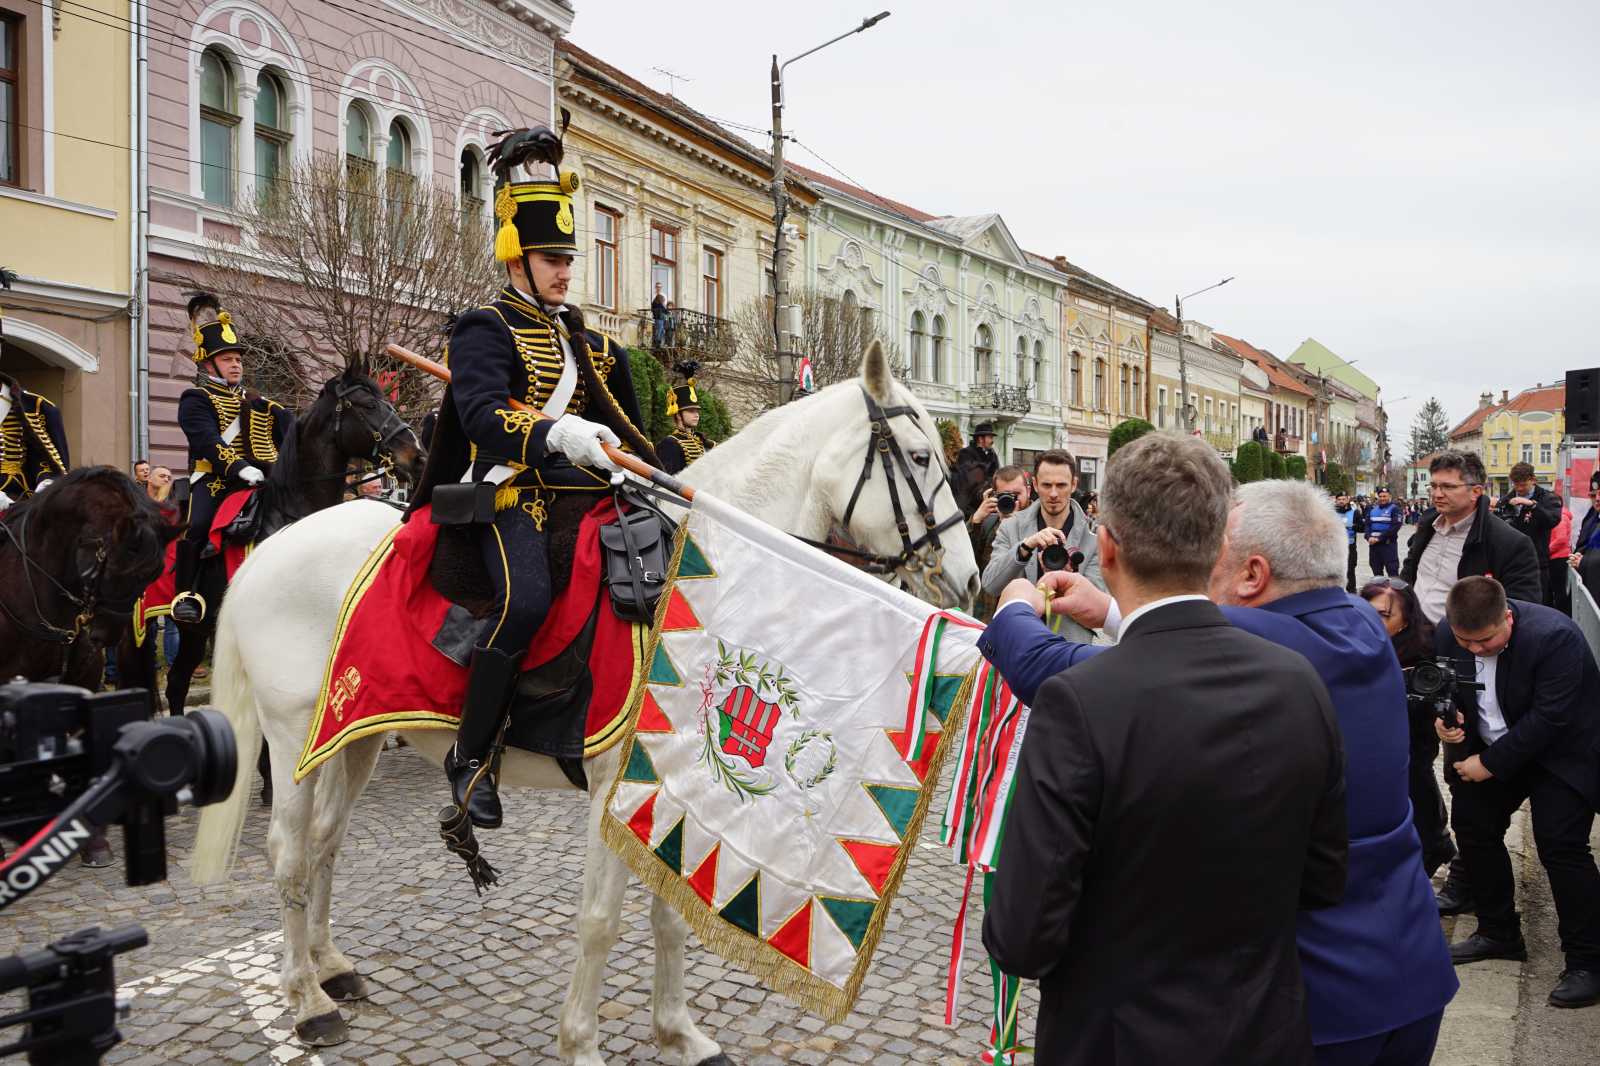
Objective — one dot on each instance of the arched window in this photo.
(397, 173)
(936, 350)
(1099, 384)
(1038, 369)
(358, 145)
(219, 114)
(272, 134)
(472, 203)
(1022, 361)
(849, 316)
(918, 339)
(983, 355)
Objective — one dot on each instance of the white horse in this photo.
(797, 468)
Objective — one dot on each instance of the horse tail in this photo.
(217, 841)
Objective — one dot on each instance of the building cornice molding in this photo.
(28, 195)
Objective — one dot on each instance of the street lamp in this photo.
(780, 208)
(1186, 410)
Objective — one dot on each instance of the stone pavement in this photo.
(466, 981)
(469, 981)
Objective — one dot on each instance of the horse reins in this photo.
(391, 426)
(925, 554)
(88, 578)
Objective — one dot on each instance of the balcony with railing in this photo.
(1286, 443)
(1220, 433)
(685, 334)
(999, 400)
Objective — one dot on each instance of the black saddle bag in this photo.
(637, 552)
(467, 503)
(246, 525)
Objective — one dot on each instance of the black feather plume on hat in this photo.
(203, 301)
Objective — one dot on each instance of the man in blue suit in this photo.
(1377, 969)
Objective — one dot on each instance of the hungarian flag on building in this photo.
(805, 377)
(785, 750)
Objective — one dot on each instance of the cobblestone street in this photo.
(467, 981)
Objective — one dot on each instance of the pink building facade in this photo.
(240, 91)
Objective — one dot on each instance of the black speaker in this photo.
(1583, 404)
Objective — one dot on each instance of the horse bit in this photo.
(923, 557)
(88, 579)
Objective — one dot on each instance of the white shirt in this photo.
(1440, 562)
(1491, 720)
(1115, 623)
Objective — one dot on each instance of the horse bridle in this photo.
(390, 427)
(89, 577)
(922, 557)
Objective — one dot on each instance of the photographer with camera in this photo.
(1051, 534)
(1532, 510)
(1007, 495)
(1532, 733)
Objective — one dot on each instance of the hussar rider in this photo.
(576, 393)
(33, 444)
(233, 435)
(686, 443)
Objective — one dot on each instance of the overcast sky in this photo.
(1411, 183)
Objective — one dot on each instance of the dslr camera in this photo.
(1434, 685)
(72, 763)
(1005, 503)
(1060, 557)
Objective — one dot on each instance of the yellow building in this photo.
(66, 213)
(1106, 368)
(1527, 428)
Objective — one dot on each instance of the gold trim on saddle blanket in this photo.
(310, 758)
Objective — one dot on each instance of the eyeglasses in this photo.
(1389, 583)
(1449, 486)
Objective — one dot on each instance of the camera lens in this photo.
(1054, 557)
(1005, 502)
(219, 756)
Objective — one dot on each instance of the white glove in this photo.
(46, 483)
(251, 475)
(5, 501)
(579, 440)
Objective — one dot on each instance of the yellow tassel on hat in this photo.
(672, 402)
(507, 242)
(226, 321)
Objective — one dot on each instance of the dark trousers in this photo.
(1562, 821)
(1409, 1045)
(1556, 592)
(202, 509)
(1384, 558)
(1350, 570)
(516, 556)
(1428, 811)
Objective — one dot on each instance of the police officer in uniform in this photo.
(233, 435)
(576, 394)
(33, 442)
(686, 443)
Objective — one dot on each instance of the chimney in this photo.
(1505, 395)
(1485, 399)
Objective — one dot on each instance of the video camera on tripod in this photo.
(72, 762)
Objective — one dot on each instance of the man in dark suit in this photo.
(1532, 733)
(1154, 860)
(1376, 967)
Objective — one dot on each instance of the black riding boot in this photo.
(490, 687)
(188, 607)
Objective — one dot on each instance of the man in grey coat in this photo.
(1054, 520)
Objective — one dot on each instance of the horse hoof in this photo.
(719, 1059)
(347, 987)
(323, 1030)
(97, 855)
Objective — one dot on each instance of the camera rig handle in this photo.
(72, 996)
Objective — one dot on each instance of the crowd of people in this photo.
(1227, 821)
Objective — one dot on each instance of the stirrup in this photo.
(180, 608)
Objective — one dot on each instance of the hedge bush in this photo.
(1126, 432)
(1277, 469)
(1249, 463)
(1295, 465)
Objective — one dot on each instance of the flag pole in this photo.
(630, 463)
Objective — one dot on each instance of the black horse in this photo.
(73, 560)
(349, 421)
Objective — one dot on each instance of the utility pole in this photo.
(787, 358)
(783, 315)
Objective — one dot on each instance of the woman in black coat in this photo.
(1412, 636)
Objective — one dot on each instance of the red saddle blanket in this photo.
(384, 672)
(157, 599)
